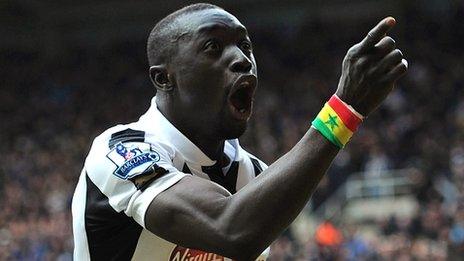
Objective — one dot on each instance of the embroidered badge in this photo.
(132, 159)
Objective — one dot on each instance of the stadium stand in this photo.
(52, 107)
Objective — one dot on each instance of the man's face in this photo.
(215, 72)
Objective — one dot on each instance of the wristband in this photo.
(337, 121)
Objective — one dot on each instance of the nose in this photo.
(240, 62)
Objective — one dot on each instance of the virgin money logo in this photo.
(186, 254)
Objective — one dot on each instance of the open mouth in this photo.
(241, 96)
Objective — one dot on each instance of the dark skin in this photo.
(213, 51)
(242, 225)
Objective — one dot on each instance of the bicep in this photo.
(189, 213)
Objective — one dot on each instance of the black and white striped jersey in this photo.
(126, 168)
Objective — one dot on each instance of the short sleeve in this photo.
(131, 174)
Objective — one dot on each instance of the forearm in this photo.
(259, 212)
(243, 224)
(266, 206)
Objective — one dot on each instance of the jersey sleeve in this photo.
(131, 174)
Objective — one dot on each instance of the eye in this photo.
(212, 46)
(246, 46)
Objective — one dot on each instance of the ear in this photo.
(160, 78)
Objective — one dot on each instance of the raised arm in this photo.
(196, 213)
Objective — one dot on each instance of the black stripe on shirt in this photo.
(228, 181)
(110, 235)
(256, 166)
(127, 135)
(186, 169)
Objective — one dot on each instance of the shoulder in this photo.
(129, 169)
(126, 134)
(123, 151)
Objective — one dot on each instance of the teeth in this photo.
(242, 110)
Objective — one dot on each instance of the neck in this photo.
(207, 141)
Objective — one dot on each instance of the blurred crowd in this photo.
(53, 106)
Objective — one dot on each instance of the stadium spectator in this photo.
(50, 116)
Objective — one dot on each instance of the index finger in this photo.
(377, 33)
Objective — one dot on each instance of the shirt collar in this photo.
(155, 122)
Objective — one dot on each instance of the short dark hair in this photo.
(166, 31)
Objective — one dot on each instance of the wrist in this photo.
(351, 101)
(337, 121)
(353, 110)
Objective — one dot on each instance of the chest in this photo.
(233, 178)
(150, 247)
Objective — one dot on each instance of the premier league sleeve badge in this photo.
(132, 159)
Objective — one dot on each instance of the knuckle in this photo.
(362, 62)
(390, 41)
(350, 55)
(403, 67)
(399, 70)
(370, 34)
(397, 54)
(353, 50)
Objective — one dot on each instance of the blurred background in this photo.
(70, 70)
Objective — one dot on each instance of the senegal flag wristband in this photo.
(337, 121)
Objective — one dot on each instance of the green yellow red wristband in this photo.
(337, 121)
